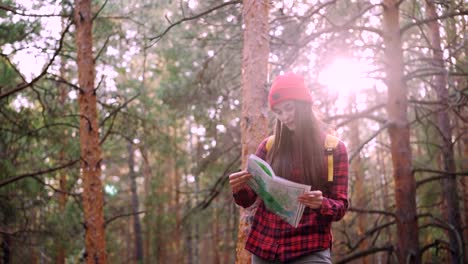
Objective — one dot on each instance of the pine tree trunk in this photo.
(189, 245)
(451, 205)
(60, 259)
(146, 169)
(6, 249)
(405, 185)
(254, 123)
(136, 218)
(356, 168)
(196, 225)
(176, 197)
(147, 191)
(229, 236)
(161, 254)
(128, 234)
(464, 156)
(385, 203)
(89, 137)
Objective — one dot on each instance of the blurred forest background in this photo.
(116, 143)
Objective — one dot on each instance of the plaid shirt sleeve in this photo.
(335, 203)
(245, 197)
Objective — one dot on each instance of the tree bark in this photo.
(254, 123)
(89, 137)
(147, 172)
(397, 105)
(465, 186)
(60, 259)
(216, 237)
(451, 206)
(6, 249)
(189, 232)
(136, 218)
(229, 236)
(356, 169)
(175, 194)
(382, 158)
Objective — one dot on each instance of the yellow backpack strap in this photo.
(270, 141)
(330, 144)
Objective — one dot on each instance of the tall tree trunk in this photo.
(174, 180)
(176, 197)
(89, 137)
(128, 234)
(60, 259)
(405, 186)
(196, 225)
(451, 205)
(161, 254)
(229, 235)
(136, 218)
(464, 155)
(254, 123)
(147, 191)
(356, 168)
(385, 203)
(189, 245)
(6, 248)
(216, 237)
(146, 169)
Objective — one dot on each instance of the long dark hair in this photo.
(300, 152)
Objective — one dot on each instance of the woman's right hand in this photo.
(238, 180)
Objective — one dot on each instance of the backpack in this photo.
(330, 144)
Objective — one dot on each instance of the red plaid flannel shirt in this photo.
(272, 238)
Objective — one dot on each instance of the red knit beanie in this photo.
(289, 86)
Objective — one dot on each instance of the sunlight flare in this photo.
(345, 76)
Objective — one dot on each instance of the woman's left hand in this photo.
(312, 199)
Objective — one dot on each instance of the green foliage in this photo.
(66, 227)
(11, 32)
(7, 73)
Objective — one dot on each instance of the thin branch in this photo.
(33, 174)
(375, 134)
(427, 20)
(464, 173)
(436, 244)
(13, 66)
(100, 10)
(60, 80)
(353, 116)
(104, 138)
(7, 8)
(115, 111)
(215, 190)
(364, 253)
(16, 12)
(122, 18)
(23, 86)
(365, 211)
(437, 178)
(155, 39)
(102, 49)
(53, 188)
(110, 220)
(345, 25)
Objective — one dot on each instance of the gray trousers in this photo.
(319, 257)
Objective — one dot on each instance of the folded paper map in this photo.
(279, 195)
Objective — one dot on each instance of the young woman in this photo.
(298, 153)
